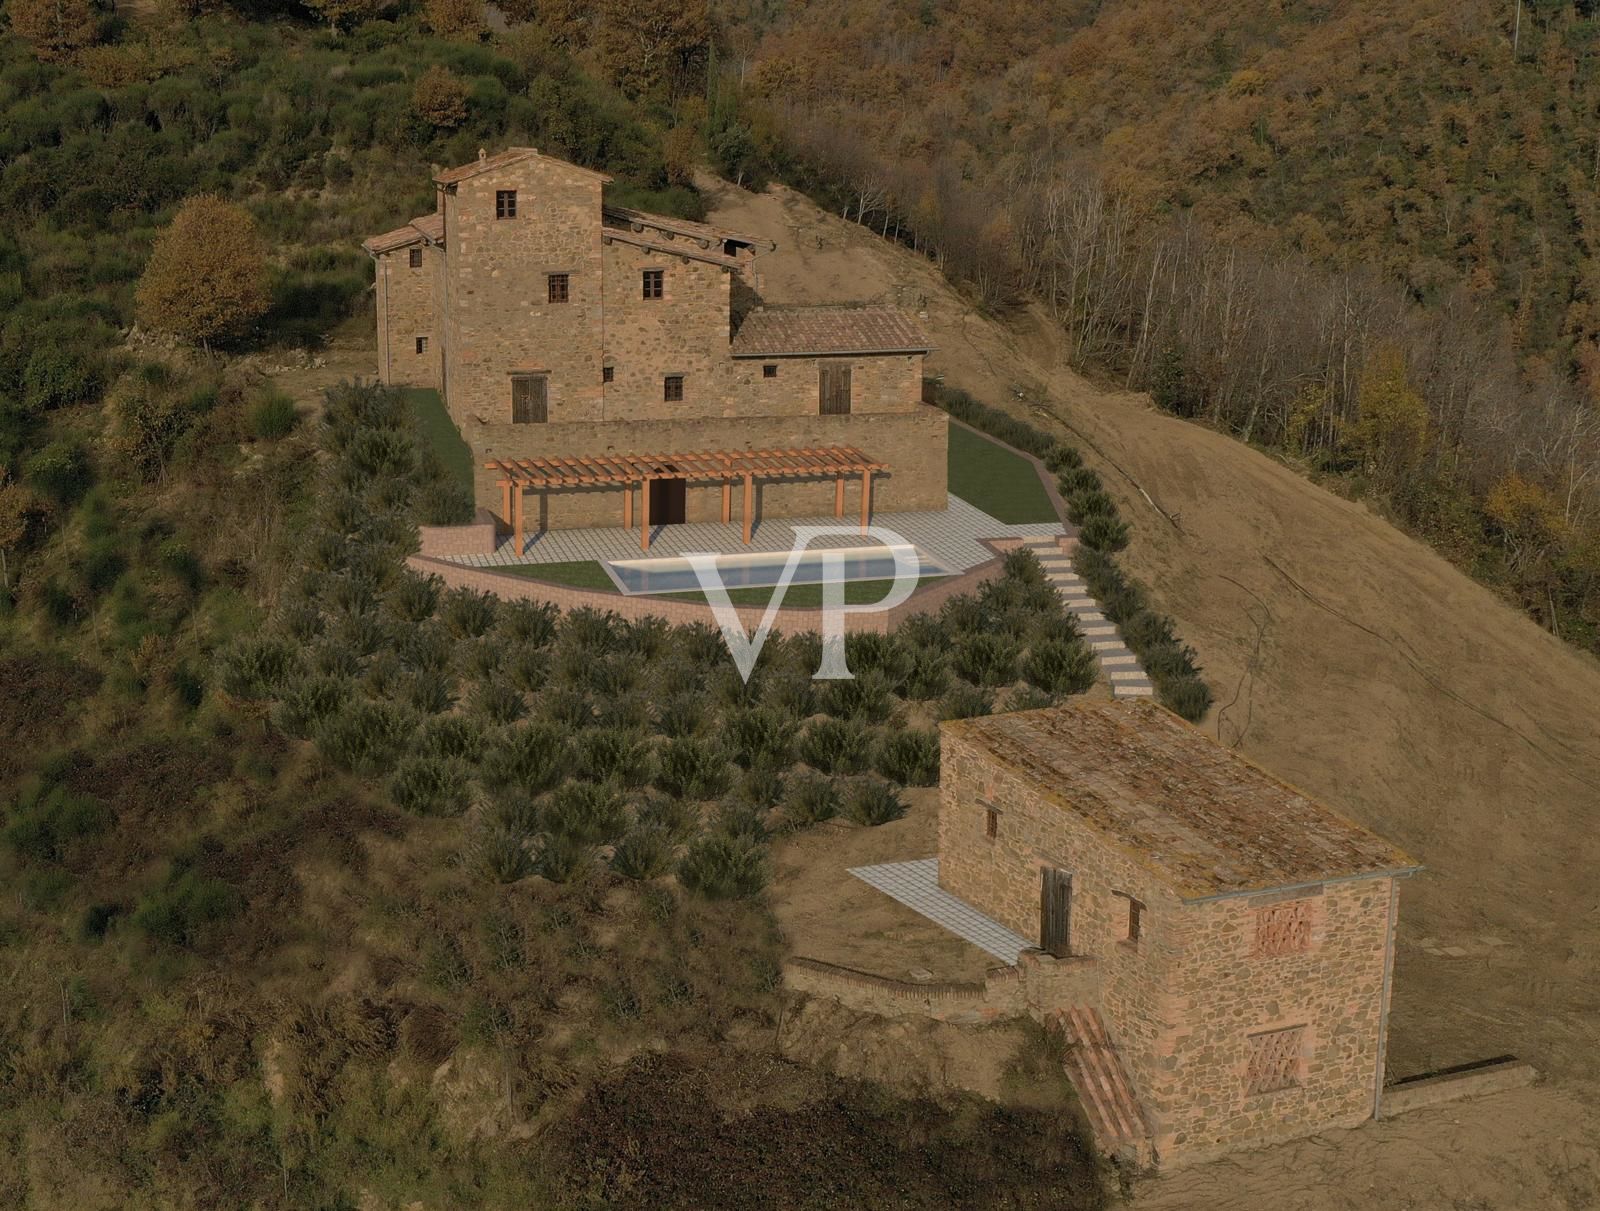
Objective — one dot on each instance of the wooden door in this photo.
(1055, 911)
(530, 399)
(833, 388)
(668, 502)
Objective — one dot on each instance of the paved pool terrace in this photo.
(952, 538)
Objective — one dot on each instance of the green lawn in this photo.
(996, 479)
(582, 574)
(441, 435)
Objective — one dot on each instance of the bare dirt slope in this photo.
(1346, 657)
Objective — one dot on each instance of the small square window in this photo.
(416, 258)
(672, 388)
(422, 344)
(557, 287)
(505, 203)
(607, 373)
(655, 283)
(991, 822)
(769, 371)
(1274, 1060)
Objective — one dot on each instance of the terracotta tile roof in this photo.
(431, 226)
(798, 331)
(511, 155)
(428, 227)
(693, 251)
(623, 216)
(1207, 820)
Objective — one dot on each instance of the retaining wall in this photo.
(792, 620)
(477, 537)
(1508, 1073)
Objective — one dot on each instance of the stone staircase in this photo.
(1095, 1070)
(1120, 666)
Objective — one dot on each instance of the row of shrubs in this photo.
(523, 719)
(1150, 634)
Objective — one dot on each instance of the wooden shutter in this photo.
(833, 388)
(530, 403)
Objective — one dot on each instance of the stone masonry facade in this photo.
(1240, 1019)
(622, 326)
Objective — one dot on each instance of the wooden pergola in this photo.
(629, 471)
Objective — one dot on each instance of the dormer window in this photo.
(505, 203)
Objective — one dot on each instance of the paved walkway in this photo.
(950, 537)
(1119, 664)
(916, 885)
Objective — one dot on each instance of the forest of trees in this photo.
(1361, 236)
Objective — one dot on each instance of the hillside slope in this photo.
(1346, 657)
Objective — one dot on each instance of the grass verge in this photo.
(999, 481)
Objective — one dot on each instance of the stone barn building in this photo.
(1226, 941)
(605, 364)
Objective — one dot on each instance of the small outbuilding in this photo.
(1235, 938)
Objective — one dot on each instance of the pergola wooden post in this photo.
(644, 514)
(629, 471)
(505, 500)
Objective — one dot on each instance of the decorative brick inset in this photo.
(1283, 929)
(1274, 1062)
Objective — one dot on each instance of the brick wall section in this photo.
(1182, 1001)
(680, 613)
(499, 318)
(1033, 988)
(479, 537)
(405, 303)
(913, 444)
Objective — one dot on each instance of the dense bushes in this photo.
(1150, 634)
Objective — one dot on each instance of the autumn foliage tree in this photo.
(347, 14)
(440, 98)
(54, 28)
(457, 18)
(653, 46)
(207, 277)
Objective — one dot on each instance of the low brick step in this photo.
(1100, 628)
(1120, 658)
(1106, 644)
(1133, 691)
(1133, 674)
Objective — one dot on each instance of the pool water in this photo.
(676, 575)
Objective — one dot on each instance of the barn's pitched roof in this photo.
(511, 155)
(817, 331)
(1206, 820)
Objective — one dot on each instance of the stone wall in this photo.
(890, 382)
(913, 444)
(1184, 999)
(405, 304)
(500, 321)
(480, 536)
(1002, 877)
(685, 332)
(1226, 992)
(1472, 1081)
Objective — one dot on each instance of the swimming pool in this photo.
(760, 569)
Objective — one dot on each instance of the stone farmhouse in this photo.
(613, 367)
(1224, 946)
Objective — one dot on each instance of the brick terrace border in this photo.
(785, 620)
